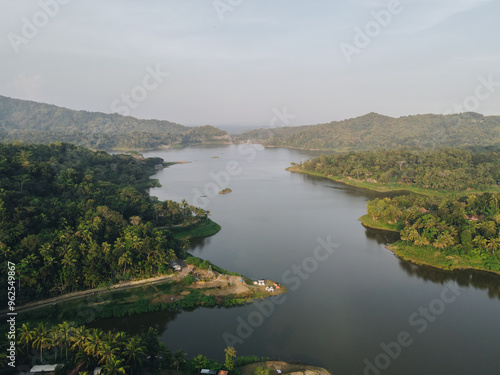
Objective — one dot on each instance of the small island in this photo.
(225, 191)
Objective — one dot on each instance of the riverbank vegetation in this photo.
(203, 228)
(81, 350)
(432, 171)
(454, 221)
(73, 219)
(448, 233)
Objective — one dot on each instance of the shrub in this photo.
(188, 280)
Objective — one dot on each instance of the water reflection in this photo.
(464, 278)
(199, 243)
(135, 326)
(383, 237)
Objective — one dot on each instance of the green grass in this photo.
(202, 229)
(430, 256)
(367, 221)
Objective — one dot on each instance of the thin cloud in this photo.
(422, 15)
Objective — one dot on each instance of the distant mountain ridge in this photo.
(34, 122)
(373, 131)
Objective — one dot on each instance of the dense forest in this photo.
(374, 131)
(467, 226)
(439, 169)
(32, 122)
(71, 219)
(79, 349)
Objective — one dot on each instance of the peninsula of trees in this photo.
(32, 122)
(443, 169)
(454, 225)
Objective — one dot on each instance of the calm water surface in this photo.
(351, 303)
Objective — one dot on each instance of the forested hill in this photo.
(374, 131)
(73, 219)
(33, 122)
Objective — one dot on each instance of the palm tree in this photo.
(230, 356)
(178, 359)
(66, 330)
(93, 342)
(134, 351)
(125, 260)
(422, 241)
(25, 334)
(41, 338)
(444, 240)
(79, 338)
(480, 241)
(120, 340)
(409, 234)
(493, 245)
(106, 351)
(57, 341)
(114, 367)
(83, 358)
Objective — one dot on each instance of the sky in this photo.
(253, 62)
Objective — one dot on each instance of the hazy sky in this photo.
(238, 62)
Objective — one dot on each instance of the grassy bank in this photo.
(367, 221)
(386, 188)
(198, 230)
(430, 256)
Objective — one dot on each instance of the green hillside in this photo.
(33, 122)
(374, 131)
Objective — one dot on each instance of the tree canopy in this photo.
(438, 169)
(72, 219)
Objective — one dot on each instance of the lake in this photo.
(352, 306)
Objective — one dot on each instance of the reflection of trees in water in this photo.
(383, 237)
(199, 243)
(475, 279)
(137, 324)
(349, 189)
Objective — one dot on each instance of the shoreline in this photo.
(400, 253)
(384, 188)
(439, 260)
(368, 222)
